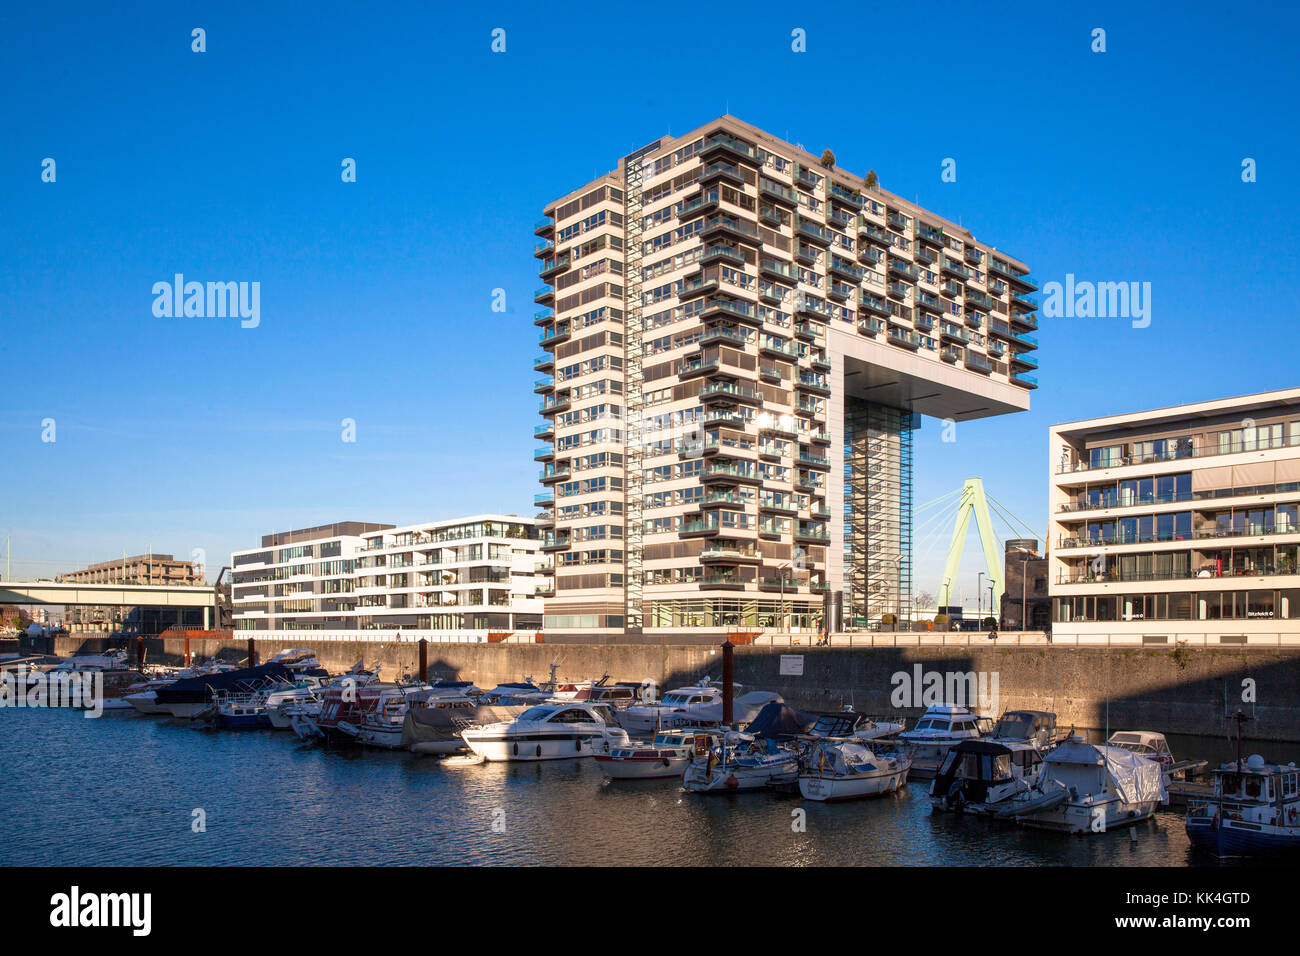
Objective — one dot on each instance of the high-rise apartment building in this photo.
(478, 573)
(1178, 524)
(739, 341)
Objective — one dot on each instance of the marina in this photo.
(123, 791)
(355, 744)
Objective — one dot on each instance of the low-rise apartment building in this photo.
(1179, 524)
(146, 568)
(467, 574)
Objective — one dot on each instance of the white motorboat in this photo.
(983, 776)
(845, 770)
(685, 705)
(1082, 788)
(546, 732)
(741, 761)
(940, 728)
(666, 756)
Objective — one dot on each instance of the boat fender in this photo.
(667, 762)
(516, 750)
(539, 750)
(732, 782)
(577, 745)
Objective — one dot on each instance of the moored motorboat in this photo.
(1254, 811)
(665, 756)
(1086, 788)
(940, 728)
(832, 770)
(436, 730)
(683, 706)
(982, 776)
(545, 732)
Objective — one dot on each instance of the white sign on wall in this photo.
(792, 665)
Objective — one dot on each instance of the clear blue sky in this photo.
(375, 296)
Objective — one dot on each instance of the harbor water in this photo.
(131, 790)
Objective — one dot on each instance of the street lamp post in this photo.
(979, 600)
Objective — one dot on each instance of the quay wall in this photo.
(1178, 690)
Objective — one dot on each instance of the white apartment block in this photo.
(1178, 524)
(480, 573)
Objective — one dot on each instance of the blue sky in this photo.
(376, 296)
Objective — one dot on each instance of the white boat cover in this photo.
(842, 759)
(1136, 778)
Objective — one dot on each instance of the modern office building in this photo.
(136, 569)
(477, 573)
(1178, 523)
(739, 340)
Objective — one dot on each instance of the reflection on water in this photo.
(121, 790)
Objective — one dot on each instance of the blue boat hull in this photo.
(1230, 841)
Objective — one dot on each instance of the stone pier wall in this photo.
(1185, 691)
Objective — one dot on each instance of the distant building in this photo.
(485, 572)
(1026, 602)
(1179, 524)
(136, 569)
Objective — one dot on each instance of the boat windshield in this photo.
(1014, 726)
(537, 713)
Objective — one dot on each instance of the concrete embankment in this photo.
(1184, 691)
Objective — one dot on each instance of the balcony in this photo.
(875, 234)
(896, 220)
(544, 432)
(718, 334)
(731, 391)
(975, 320)
(778, 269)
(840, 291)
(1027, 381)
(1024, 360)
(978, 363)
(724, 144)
(812, 382)
(737, 229)
(554, 336)
(898, 290)
(543, 385)
(924, 300)
(720, 252)
(873, 304)
(556, 541)
(697, 367)
(954, 333)
(953, 267)
(950, 353)
(702, 285)
(771, 345)
(929, 234)
(777, 192)
(806, 178)
(544, 363)
(716, 307)
(815, 233)
(980, 300)
(553, 267)
(543, 228)
(838, 193)
(720, 171)
(871, 327)
(729, 472)
(544, 453)
(846, 269)
(544, 250)
(905, 269)
(809, 331)
(907, 338)
(544, 296)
